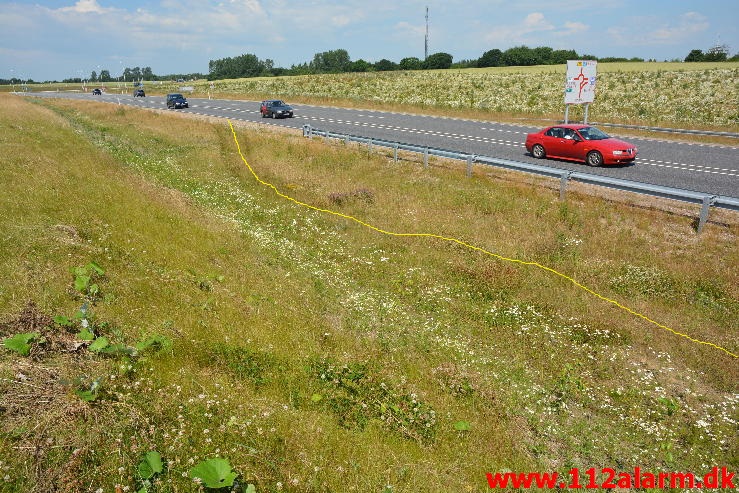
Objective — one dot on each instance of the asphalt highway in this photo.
(705, 168)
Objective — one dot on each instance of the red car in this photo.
(580, 143)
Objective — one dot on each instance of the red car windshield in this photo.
(592, 133)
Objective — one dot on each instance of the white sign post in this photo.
(580, 85)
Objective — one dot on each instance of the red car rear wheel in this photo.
(538, 151)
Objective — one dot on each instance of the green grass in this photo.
(317, 355)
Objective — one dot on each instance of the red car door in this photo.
(572, 144)
(554, 142)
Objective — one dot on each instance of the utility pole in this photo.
(426, 43)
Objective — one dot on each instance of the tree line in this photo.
(133, 74)
(338, 61)
(718, 53)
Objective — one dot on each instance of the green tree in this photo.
(385, 65)
(519, 56)
(718, 53)
(491, 58)
(410, 63)
(560, 57)
(247, 65)
(438, 61)
(105, 76)
(300, 69)
(360, 66)
(543, 55)
(695, 56)
(331, 62)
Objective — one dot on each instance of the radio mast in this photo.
(426, 43)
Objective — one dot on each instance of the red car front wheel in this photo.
(595, 158)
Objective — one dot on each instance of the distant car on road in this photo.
(139, 93)
(96, 92)
(580, 143)
(275, 108)
(176, 100)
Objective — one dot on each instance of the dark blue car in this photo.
(177, 101)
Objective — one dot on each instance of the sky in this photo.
(58, 39)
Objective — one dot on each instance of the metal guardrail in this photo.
(706, 200)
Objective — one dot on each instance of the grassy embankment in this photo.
(317, 355)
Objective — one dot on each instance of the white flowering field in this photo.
(679, 94)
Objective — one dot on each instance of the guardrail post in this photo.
(346, 139)
(395, 147)
(563, 184)
(708, 201)
(722, 202)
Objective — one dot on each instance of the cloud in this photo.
(571, 28)
(341, 20)
(535, 22)
(689, 24)
(85, 7)
(649, 31)
(413, 29)
(530, 30)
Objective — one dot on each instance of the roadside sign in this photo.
(580, 82)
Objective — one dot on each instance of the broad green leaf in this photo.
(316, 397)
(20, 343)
(62, 320)
(251, 489)
(117, 349)
(81, 282)
(462, 426)
(94, 266)
(99, 344)
(214, 473)
(86, 335)
(150, 465)
(86, 395)
(157, 342)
